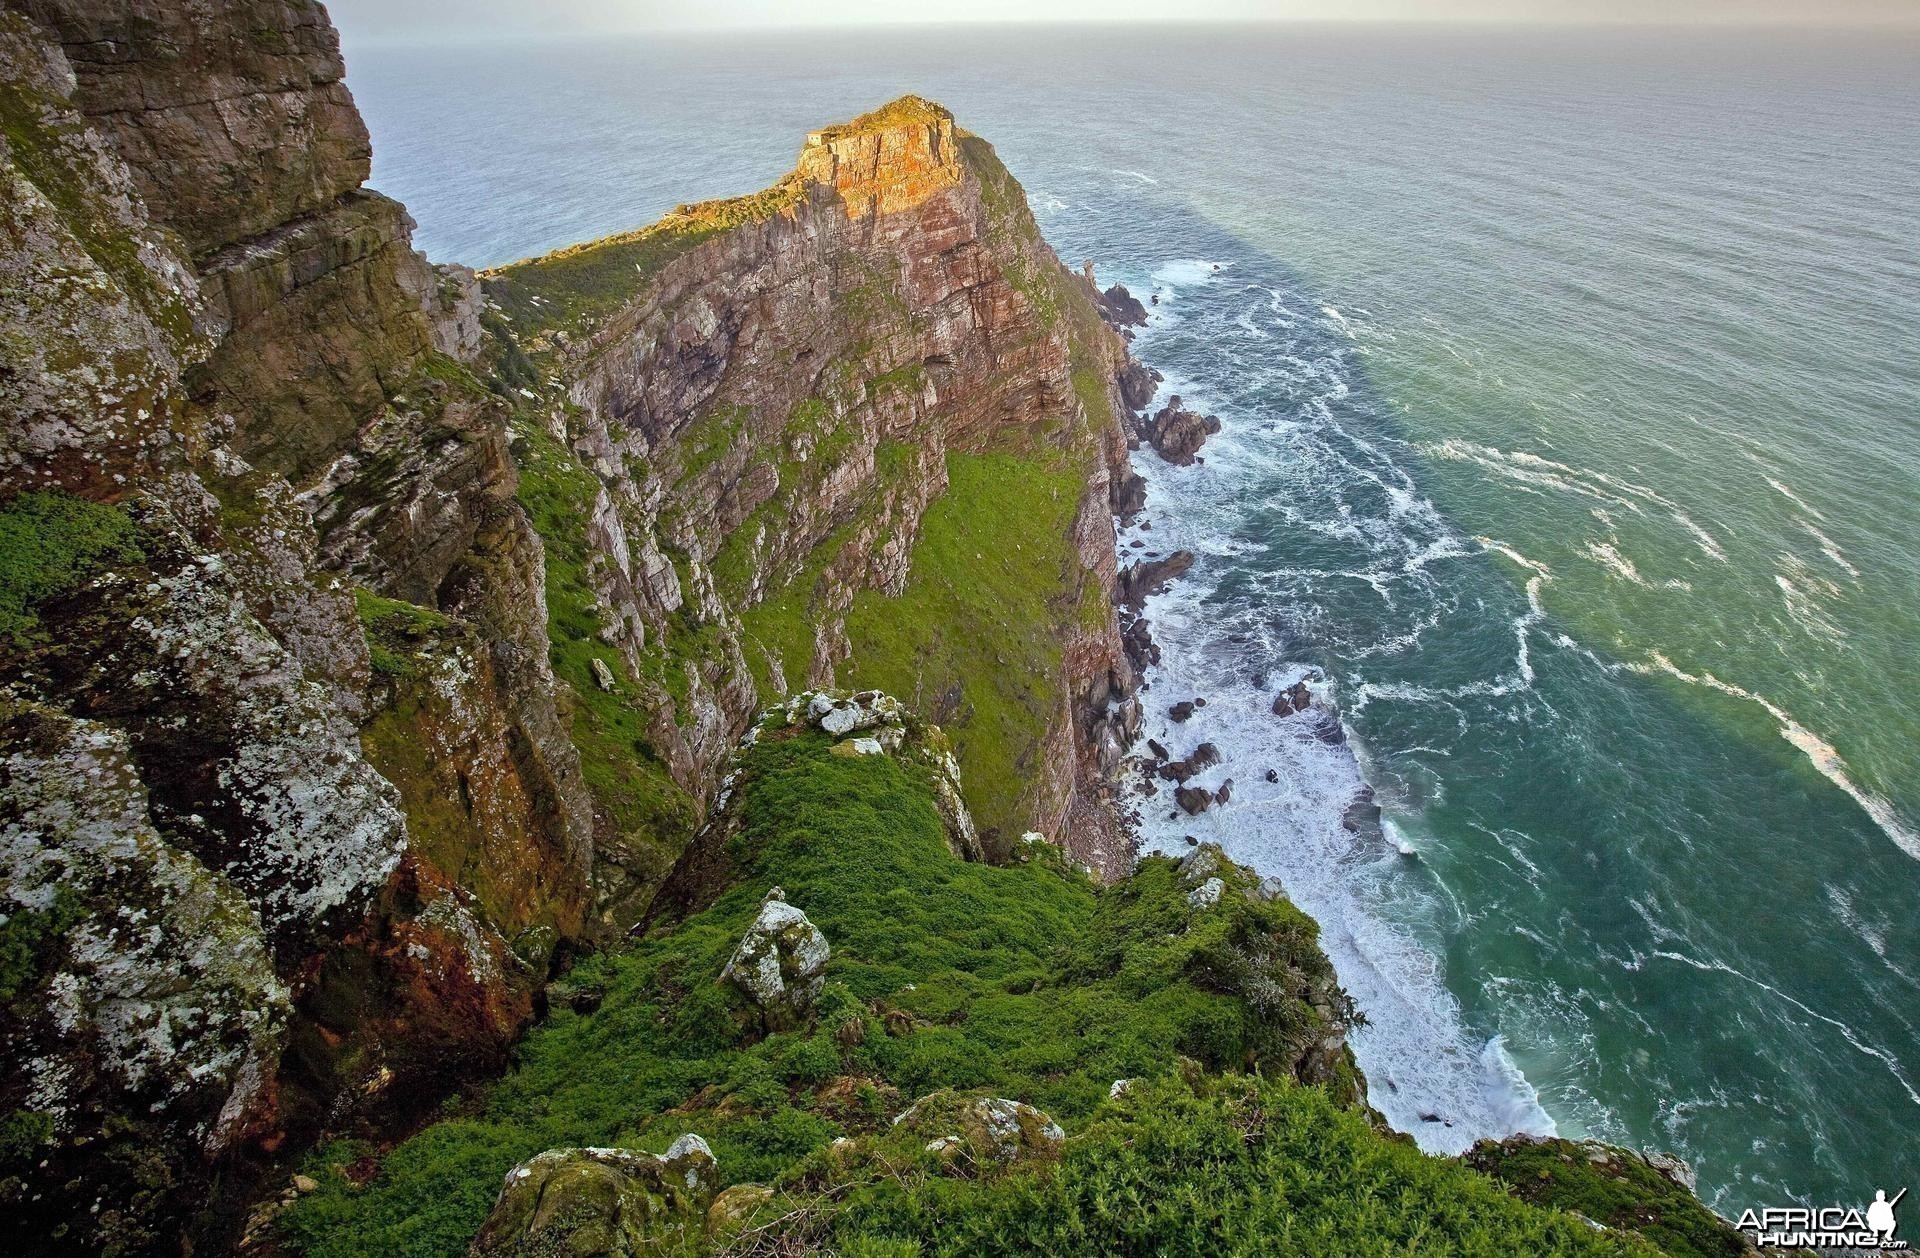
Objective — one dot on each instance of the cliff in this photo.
(856, 430)
(392, 658)
(371, 647)
(279, 849)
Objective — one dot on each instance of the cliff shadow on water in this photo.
(1599, 896)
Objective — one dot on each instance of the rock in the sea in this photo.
(601, 1202)
(1193, 800)
(1295, 698)
(1178, 433)
(1204, 757)
(1148, 577)
(1122, 308)
(1137, 385)
(780, 963)
(1128, 497)
(1181, 711)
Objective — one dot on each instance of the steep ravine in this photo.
(394, 659)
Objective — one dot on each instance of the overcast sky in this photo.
(387, 19)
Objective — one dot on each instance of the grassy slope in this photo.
(628, 778)
(1025, 981)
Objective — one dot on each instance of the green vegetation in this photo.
(1024, 981)
(51, 542)
(28, 935)
(895, 113)
(396, 631)
(571, 288)
(1610, 1186)
(994, 589)
(629, 780)
(1233, 1165)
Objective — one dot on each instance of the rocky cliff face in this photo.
(366, 645)
(276, 850)
(858, 430)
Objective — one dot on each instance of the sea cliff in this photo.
(702, 646)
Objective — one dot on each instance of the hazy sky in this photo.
(380, 19)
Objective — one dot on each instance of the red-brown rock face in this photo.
(773, 416)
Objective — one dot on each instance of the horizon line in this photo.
(1868, 24)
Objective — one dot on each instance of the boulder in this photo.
(611, 1202)
(734, 1207)
(780, 963)
(1295, 698)
(1178, 433)
(602, 675)
(993, 1129)
(1181, 711)
(1193, 800)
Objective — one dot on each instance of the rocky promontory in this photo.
(614, 752)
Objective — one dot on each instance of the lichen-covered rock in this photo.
(145, 1013)
(733, 1207)
(780, 963)
(181, 202)
(602, 1203)
(992, 1130)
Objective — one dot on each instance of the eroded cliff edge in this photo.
(857, 430)
(376, 638)
(371, 645)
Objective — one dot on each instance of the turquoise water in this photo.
(1571, 390)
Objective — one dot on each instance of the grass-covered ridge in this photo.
(901, 112)
(1023, 981)
(572, 288)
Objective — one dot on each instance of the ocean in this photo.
(1570, 385)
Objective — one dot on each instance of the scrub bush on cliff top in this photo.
(1026, 980)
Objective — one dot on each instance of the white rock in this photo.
(780, 962)
(602, 675)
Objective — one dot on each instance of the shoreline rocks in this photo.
(1139, 581)
(1177, 433)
